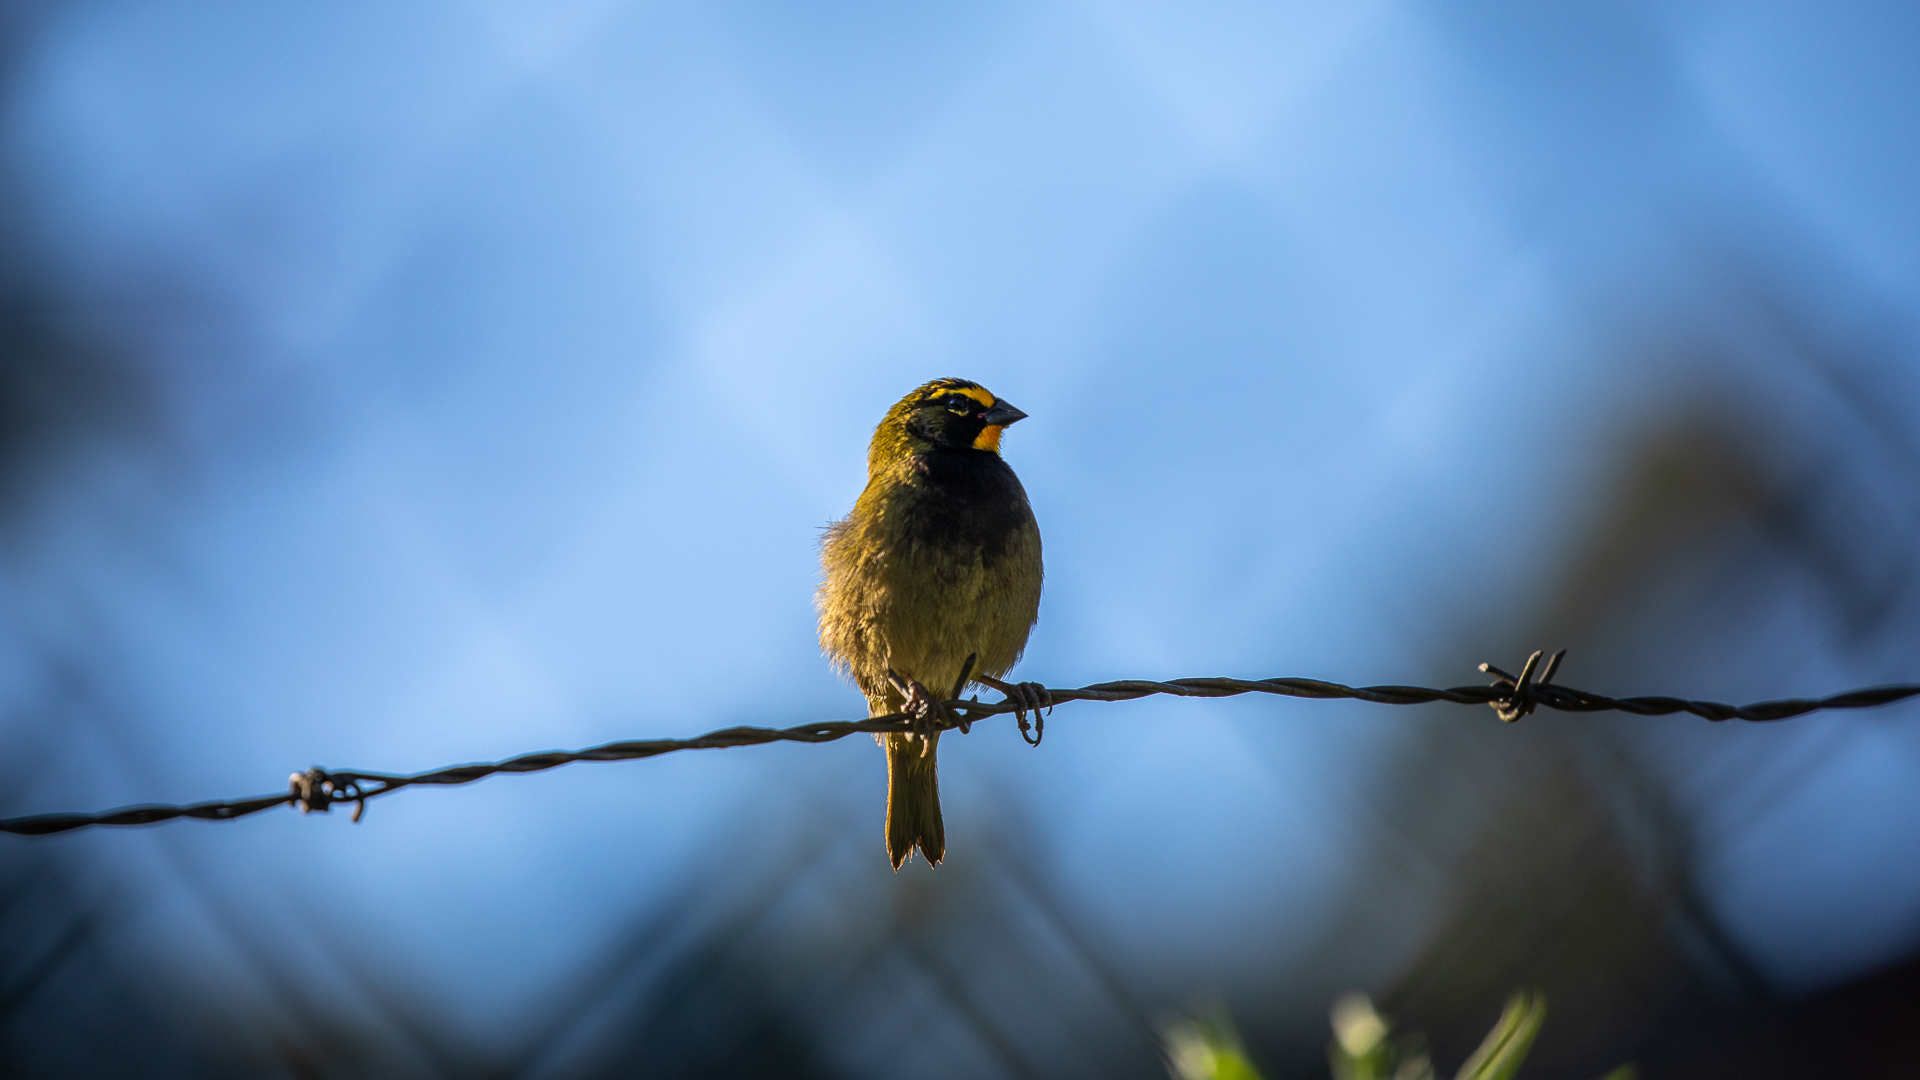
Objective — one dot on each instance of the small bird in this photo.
(932, 581)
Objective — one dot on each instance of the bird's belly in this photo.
(952, 605)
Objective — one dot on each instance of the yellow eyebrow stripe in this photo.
(977, 393)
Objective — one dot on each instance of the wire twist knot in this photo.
(317, 790)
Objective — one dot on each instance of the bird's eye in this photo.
(960, 403)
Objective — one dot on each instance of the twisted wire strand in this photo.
(1511, 697)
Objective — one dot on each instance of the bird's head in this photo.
(948, 414)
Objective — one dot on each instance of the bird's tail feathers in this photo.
(913, 800)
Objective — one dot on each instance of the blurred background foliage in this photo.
(389, 387)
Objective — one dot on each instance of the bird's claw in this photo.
(1035, 697)
(929, 716)
(1027, 697)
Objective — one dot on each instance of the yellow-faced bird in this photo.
(932, 581)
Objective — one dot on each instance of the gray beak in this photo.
(1003, 414)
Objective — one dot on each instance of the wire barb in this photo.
(317, 790)
(1511, 696)
(1520, 696)
(963, 720)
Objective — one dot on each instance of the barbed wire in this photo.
(1512, 697)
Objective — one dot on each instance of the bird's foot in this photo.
(929, 716)
(1027, 697)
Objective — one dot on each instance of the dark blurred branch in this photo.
(1510, 697)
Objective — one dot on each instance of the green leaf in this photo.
(1506, 1046)
(1207, 1047)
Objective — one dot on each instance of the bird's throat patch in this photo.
(989, 438)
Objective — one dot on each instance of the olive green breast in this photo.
(939, 560)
